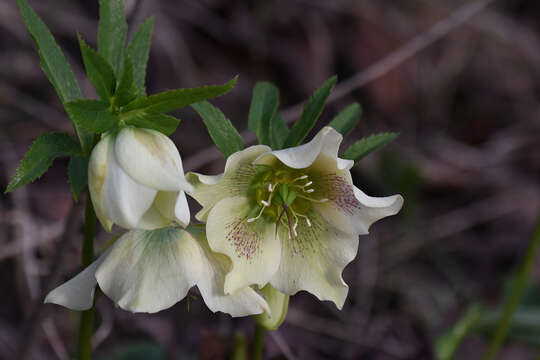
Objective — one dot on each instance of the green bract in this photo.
(289, 217)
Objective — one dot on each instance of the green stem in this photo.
(258, 342)
(513, 301)
(87, 317)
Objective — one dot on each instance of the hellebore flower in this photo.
(136, 180)
(290, 217)
(151, 270)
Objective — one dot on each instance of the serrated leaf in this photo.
(310, 115)
(138, 51)
(77, 174)
(161, 122)
(126, 91)
(347, 119)
(92, 115)
(100, 73)
(280, 131)
(264, 106)
(112, 32)
(53, 63)
(176, 99)
(367, 145)
(221, 130)
(40, 156)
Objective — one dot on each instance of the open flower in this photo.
(290, 217)
(136, 180)
(148, 271)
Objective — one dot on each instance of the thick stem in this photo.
(513, 301)
(87, 317)
(258, 340)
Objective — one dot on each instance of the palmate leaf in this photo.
(53, 63)
(367, 145)
(112, 32)
(263, 108)
(175, 99)
(310, 115)
(279, 133)
(100, 73)
(141, 118)
(347, 119)
(40, 156)
(92, 115)
(126, 90)
(221, 130)
(138, 51)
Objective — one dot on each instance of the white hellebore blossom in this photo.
(151, 270)
(136, 180)
(289, 217)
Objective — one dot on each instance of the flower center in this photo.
(284, 196)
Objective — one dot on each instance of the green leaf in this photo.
(310, 115)
(53, 63)
(140, 118)
(126, 91)
(176, 99)
(221, 130)
(40, 156)
(367, 145)
(78, 174)
(99, 71)
(112, 32)
(347, 119)
(264, 106)
(280, 131)
(92, 115)
(138, 51)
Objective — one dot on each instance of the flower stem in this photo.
(87, 317)
(513, 301)
(258, 342)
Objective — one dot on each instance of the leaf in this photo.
(279, 133)
(138, 51)
(112, 32)
(347, 119)
(312, 111)
(53, 63)
(99, 71)
(126, 91)
(93, 115)
(40, 156)
(367, 145)
(140, 118)
(264, 105)
(221, 130)
(179, 98)
(78, 174)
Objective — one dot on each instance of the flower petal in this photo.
(173, 206)
(124, 200)
(151, 159)
(97, 172)
(77, 293)
(325, 143)
(252, 247)
(215, 266)
(314, 260)
(209, 190)
(148, 271)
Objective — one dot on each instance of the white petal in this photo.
(97, 172)
(151, 159)
(148, 271)
(252, 247)
(325, 143)
(315, 259)
(124, 200)
(278, 303)
(77, 293)
(181, 209)
(244, 302)
(153, 219)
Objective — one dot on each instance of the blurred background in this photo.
(465, 100)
